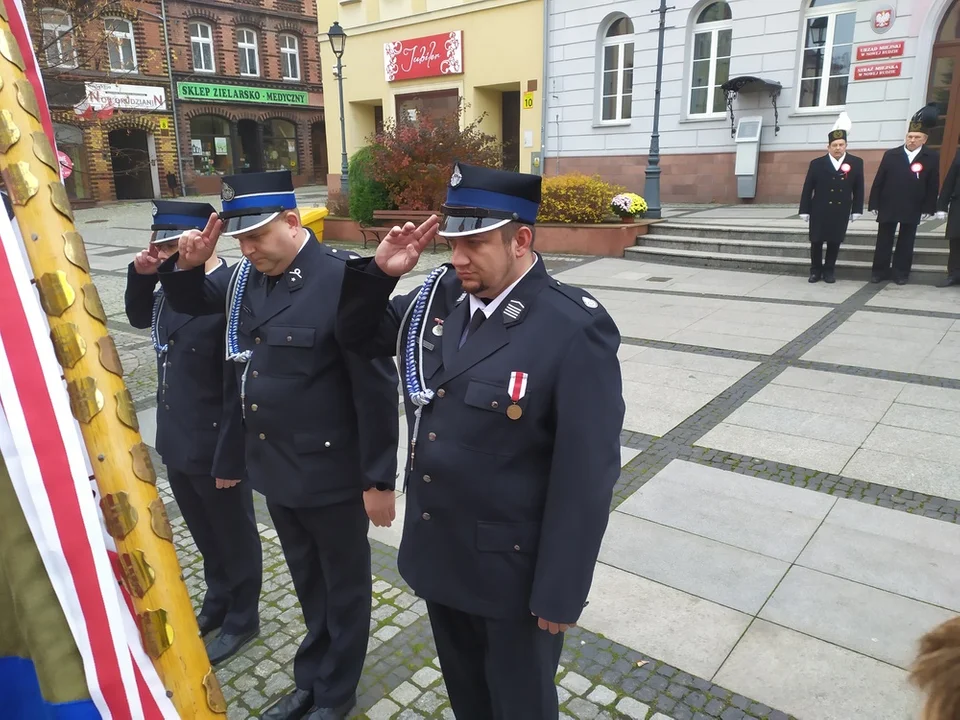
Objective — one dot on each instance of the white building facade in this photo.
(878, 60)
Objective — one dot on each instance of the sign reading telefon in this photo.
(421, 57)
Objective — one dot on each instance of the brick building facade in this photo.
(879, 61)
(106, 84)
(248, 89)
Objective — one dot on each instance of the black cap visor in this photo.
(240, 224)
(462, 221)
(164, 236)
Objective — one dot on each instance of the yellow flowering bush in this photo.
(576, 198)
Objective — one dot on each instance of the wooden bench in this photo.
(387, 219)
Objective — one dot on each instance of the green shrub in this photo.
(576, 198)
(366, 194)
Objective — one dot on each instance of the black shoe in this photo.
(901, 281)
(951, 280)
(208, 623)
(814, 277)
(829, 277)
(226, 645)
(878, 278)
(290, 707)
(337, 713)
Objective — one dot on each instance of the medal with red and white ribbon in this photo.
(916, 168)
(517, 389)
(845, 168)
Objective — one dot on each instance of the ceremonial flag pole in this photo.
(50, 391)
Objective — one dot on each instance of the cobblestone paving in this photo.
(598, 678)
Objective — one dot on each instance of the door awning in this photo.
(750, 84)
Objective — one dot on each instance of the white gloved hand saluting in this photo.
(855, 216)
(941, 215)
(804, 217)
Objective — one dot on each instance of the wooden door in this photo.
(944, 89)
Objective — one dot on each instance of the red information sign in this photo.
(424, 56)
(66, 164)
(878, 71)
(876, 51)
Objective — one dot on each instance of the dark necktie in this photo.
(475, 322)
(272, 281)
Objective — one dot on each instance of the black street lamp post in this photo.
(651, 188)
(338, 41)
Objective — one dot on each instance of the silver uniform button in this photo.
(262, 436)
(517, 548)
(327, 444)
(426, 516)
(427, 479)
(254, 407)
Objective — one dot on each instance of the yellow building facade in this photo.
(419, 56)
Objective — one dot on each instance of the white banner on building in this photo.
(125, 97)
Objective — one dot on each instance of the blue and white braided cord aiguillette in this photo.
(155, 336)
(419, 394)
(235, 298)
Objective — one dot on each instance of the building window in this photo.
(280, 145)
(120, 46)
(249, 55)
(201, 44)
(290, 57)
(616, 99)
(827, 52)
(211, 145)
(712, 40)
(70, 143)
(438, 106)
(58, 38)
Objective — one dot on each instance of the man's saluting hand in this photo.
(398, 253)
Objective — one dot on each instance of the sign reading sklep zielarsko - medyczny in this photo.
(237, 93)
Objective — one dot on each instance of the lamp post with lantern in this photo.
(338, 41)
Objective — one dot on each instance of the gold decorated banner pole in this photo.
(99, 399)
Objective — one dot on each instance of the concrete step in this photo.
(862, 232)
(777, 247)
(846, 269)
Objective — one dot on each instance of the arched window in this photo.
(121, 49)
(280, 145)
(712, 42)
(58, 46)
(201, 45)
(827, 53)
(211, 145)
(290, 56)
(249, 51)
(616, 48)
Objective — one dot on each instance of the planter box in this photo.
(607, 239)
(340, 229)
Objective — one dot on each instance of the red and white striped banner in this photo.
(51, 474)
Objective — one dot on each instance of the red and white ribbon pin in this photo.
(916, 168)
(518, 385)
(845, 168)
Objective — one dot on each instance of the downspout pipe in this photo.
(544, 94)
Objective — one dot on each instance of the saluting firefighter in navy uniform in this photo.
(320, 423)
(832, 197)
(514, 405)
(904, 192)
(217, 506)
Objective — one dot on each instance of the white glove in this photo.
(805, 217)
(855, 217)
(941, 215)
(925, 217)
(875, 212)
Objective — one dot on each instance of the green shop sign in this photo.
(234, 93)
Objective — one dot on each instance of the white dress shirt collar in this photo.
(912, 154)
(490, 307)
(837, 163)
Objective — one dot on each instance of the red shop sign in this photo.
(66, 164)
(877, 72)
(876, 51)
(422, 57)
